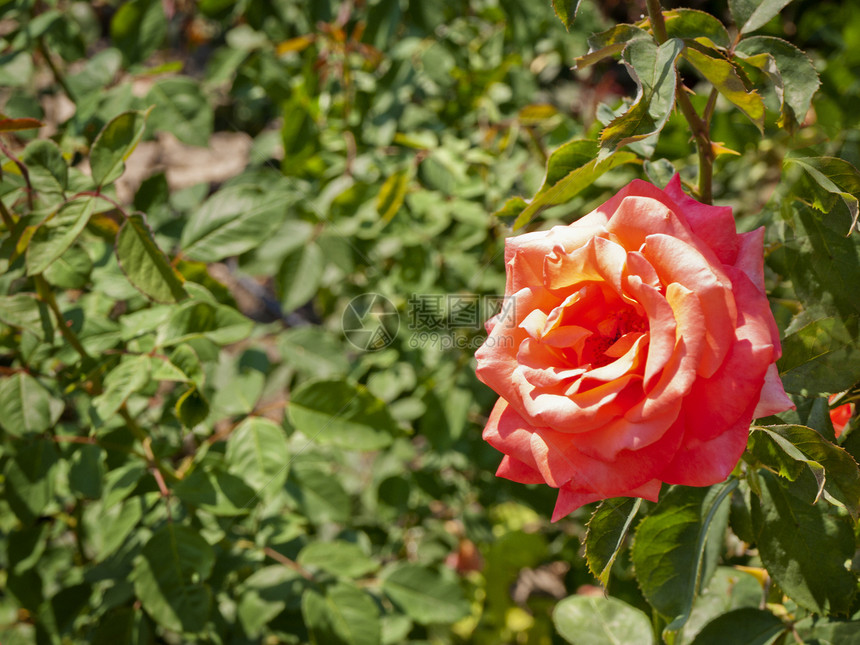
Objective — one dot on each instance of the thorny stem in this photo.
(700, 126)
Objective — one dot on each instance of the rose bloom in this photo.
(634, 348)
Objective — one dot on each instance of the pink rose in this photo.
(635, 347)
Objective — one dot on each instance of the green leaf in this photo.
(818, 630)
(653, 68)
(25, 311)
(138, 28)
(71, 270)
(723, 76)
(607, 530)
(424, 594)
(728, 589)
(215, 491)
(567, 158)
(221, 324)
(511, 209)
(575, 182)
(56, 234)
(677, 546)
(338, 558)
(264, 595)
(746, 625)
(343, 414)
(321, 496)
(344, 616)
(192, 408)
(114, 145)
(144, 264)
(798, 80)
(392, 193)
(47, 169)
(257, 452)
(234, 220)
(300, 275)
(27, 406)
(86, 471)
(566, 11)
(841, 474)
(608, 43)
(835, 176)
(25, 546)
(130, 376)
(313, 352)
(750, 15)
(110, 528)
(29, 479)
(120, 482)
(792, 536)
(168, 578)
(181, 108)
(590, 620)
(691, 24)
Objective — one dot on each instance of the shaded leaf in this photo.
(841, 474)
(834, 176)
(746, 625)
(341, 413)
(215, 491)
(677, 546)
(300, 275)
(792, 535)
(130, 376)
(168, 578)
(181, 108)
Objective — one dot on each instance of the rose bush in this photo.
(635, 348)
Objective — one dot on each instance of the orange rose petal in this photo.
(718, 402)
(515, 470)
(661, 328)
(638, 217)
(706, 462)
(773, 399)
(714, 225)
(568, 500)
(679, 374)
(678, 262)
